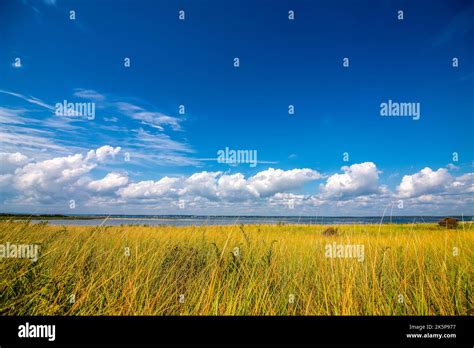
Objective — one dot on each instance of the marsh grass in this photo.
(275, 262)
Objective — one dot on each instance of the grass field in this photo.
(419, 269)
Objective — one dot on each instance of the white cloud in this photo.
(19, 139)
(426, 181)
(160, 142)
(29, 99)
(215, 186)
(5, 181)
(287, 200)
(11, 161)
(235, 188)
(55, 177)
(103, 152)
(25, 180)
(47, 175)
(150, 189)
(89, 94)
(358, 180)
(451, 166)
(150, 118)
(12, 116)
(463, 183)
(110, 119)
(271, 181)
(28, 134)
(202, 184)
(110, 182)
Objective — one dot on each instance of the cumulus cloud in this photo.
(5, 181)
(357, 189)
(217, 186)
(272, 181)
(202, 184)
(464, 183)
(11, 161)
(150, 189)
(287, 200)
(46, 175)
(429, 182)
(235, 187)
(451, 166)
(110, 182)
(426, 181)
(358, 179)
(102, 153)
(47, 179)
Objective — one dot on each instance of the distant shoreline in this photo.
(4, 216)
(193, 220)
(48, 217)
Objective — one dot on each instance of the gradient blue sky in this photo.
(282, 62)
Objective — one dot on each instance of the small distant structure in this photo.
(448, 222)
(330, 231)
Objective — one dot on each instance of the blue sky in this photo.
(300, 169)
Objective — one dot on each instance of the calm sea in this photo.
(233, 220)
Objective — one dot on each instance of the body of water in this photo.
(233, 220)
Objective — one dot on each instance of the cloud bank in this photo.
(87, 179)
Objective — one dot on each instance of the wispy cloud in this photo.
(89, 94)
(18, 139)
(150, 118)
(159, 149)
(12, 115)
(29, 99)
(145, 116)
(147, 146)
(461, 24)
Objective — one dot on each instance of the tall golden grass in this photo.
(277, 270)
